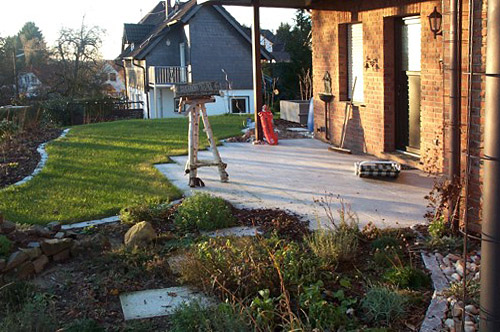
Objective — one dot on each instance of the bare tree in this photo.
(79, 60)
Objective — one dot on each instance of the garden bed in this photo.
(18, 153)
(281, 279)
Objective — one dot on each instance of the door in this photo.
(408, 58)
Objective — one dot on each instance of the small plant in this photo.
(5, 245)
(457, 290)
(84, 325)
(407, 277)
(437, 228)
(150, 212)
(7, 129)
(451, 243)
(383, 305)
(386, 257)
(195, 317)
(385, 241)
(263, 310)
(203, 212)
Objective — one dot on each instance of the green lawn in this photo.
(98, 169)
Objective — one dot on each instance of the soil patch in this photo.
(19, 156)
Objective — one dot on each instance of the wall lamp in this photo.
(435, 22)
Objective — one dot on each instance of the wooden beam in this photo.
(257, 69)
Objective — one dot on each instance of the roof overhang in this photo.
(299, 4)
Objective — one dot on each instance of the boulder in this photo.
(25, 270)
(40, 263)
(55, 246)
(61, 256)
(141, 232)
(54, 226)
(7, 227)
(32, 252)
(16, 259)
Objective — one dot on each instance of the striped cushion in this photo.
(377, 169)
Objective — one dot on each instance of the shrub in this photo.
(37, 314)
(194, 317)
(437, 228)
(5, 245)
(150, 212)
(244, 266)
(383, 305)
(13, 296)
(7, 128)
(407, 277)
(203, 212)
(335, 245)
(385, 242)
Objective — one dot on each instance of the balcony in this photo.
(167, 75)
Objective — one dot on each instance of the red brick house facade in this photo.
(377, 124)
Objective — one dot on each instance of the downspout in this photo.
(455, 100)
(146, 87)
(490, 241)
(124, 76)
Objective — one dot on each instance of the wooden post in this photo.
(257, 69)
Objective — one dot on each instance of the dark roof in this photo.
(182, 12)
(135, 33)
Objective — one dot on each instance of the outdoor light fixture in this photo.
(435, 22)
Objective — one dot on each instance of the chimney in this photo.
(168, 7)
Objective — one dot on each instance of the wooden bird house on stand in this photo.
(195, 96)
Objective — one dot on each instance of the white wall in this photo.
(165, 103)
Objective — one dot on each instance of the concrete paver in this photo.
(295, 172)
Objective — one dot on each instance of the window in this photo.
(355, 61)
(239, 105)
(112, 77)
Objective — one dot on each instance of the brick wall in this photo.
(371, 126)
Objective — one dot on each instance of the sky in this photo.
(51, 15)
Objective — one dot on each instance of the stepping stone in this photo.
(159, 302)
(91, 223)
(233, 231)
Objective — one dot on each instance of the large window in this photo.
(355, 61)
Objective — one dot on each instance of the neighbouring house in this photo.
(185, 43)
(114, 82)
(272, 44)
(29, 84)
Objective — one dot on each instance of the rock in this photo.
(38, 230)
(7, 227)
(40, 263)
(33, 253)
(33, 245)
(141, 232)
(449, 271)
(471, 309)
(25, 270)
(16, 259)
(55, 246)
(59, 235)
(61, 256)
(439, 257)
(95, 243)
(54, 226)
(446, 261)
(459, 268)
(456, 277)
(469, 327)
(453, 257)
(477, 276)
(3, 264)
(449, 323)
(473, 267)
(457, 310)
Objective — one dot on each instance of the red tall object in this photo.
(266, 119)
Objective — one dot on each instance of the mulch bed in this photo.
(18, 155)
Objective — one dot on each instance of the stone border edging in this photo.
(43, 159)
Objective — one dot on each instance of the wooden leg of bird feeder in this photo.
(210, 136)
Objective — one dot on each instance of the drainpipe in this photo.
(146, 87)
(490, 242)
(455, 100)
(124, 76)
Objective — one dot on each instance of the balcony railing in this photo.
(167, 74)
